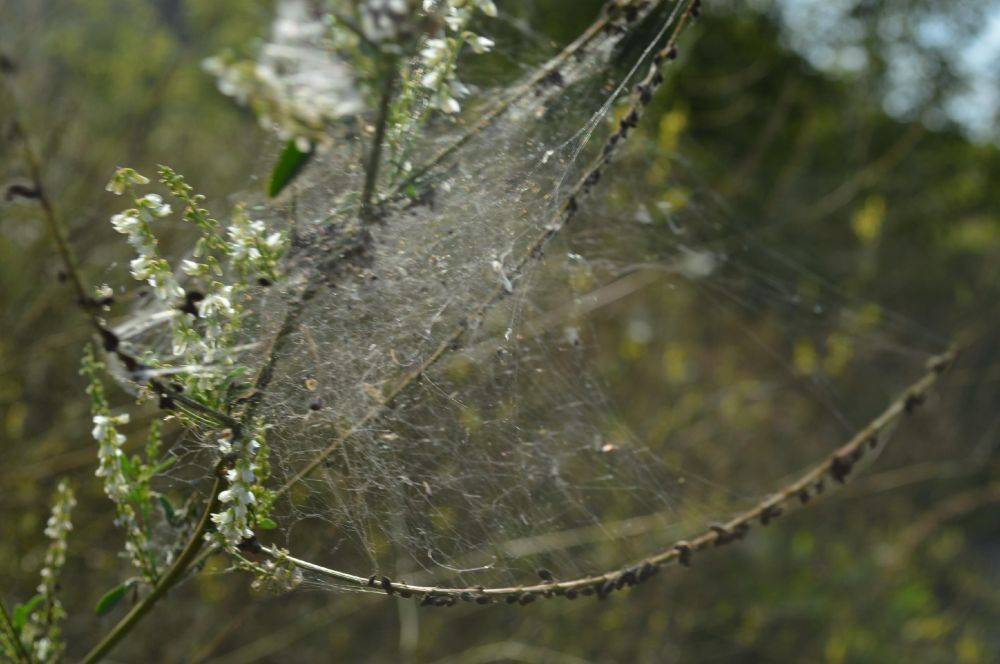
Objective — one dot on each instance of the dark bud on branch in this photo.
(191, 298)
(109, 340)
(21, 191)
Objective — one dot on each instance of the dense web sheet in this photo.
(453, 386)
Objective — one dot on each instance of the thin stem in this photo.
(837, 467)
(15, 640)
(375, 154)
(56, 228)
(169, 580)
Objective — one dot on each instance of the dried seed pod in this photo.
(190, 304)
(840, 468)
(109, 339)
(913, 400)
(21, 191)
(683, 550)
(722, 534)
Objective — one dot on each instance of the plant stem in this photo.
(22, 654)
(173, 575)
(375, 155)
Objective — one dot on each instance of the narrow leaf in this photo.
(168, 510)
(111, 598)
(22, 612)
(290, 162)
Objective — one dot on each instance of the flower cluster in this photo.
(295, 86)
(253, 248)
(277, 574)
(134, 223)
(109, 452)
(125, 480)
(202, 332)
(41, 632)
(233, 522)
(439, 54)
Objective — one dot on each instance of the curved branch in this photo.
(836, 467)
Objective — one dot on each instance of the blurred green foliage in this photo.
(902, 566)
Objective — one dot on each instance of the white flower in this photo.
(274, 241)
(126, 223)
(122, 178)
(217, 302)
(487, 7)
(142, 267)
(434, 51)
(105, 424)
(104, 291)
(431, 79)
(479, 44)
(237, 493)
(193, 269)
(154, 203)
(449, 104)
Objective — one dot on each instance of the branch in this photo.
(375, 155)
(836, 467)
(169, 580)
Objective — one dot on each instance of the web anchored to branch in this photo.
(836, 468)
(441, 373)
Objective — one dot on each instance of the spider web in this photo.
(453, 402)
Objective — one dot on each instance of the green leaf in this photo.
(112, 597)
(163, 465)
(266, 524)
(290, 162)
(22, 612)
(168, 510)
(128, 467)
